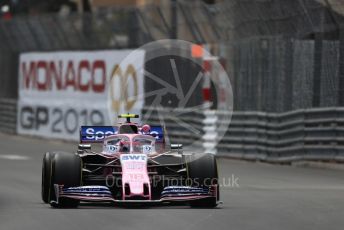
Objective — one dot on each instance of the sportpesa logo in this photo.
(99, 133)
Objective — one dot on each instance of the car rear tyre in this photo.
(202, 172)
(67, 172)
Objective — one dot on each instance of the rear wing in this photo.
(96, 134)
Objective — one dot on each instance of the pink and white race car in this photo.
(134, 166)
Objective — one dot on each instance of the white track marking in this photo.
(14, 157)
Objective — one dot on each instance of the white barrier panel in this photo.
(59, 91)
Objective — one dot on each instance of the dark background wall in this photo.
(281, 55)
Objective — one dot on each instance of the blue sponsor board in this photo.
(95, 134)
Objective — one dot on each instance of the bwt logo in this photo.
(134, 157)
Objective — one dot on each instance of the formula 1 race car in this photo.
(134, 166)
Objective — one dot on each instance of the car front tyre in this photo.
(202, 171)
(67, 171)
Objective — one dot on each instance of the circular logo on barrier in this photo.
(177, 85)
(119, 96)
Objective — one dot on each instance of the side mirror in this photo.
(176, 146)
(82, 147)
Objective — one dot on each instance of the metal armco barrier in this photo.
(312, 134)
(177, 124)
(8, 115)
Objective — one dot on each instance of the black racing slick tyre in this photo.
(202, 172)
(67, 171)
(46, 187)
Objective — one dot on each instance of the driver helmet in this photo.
(124, 147)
